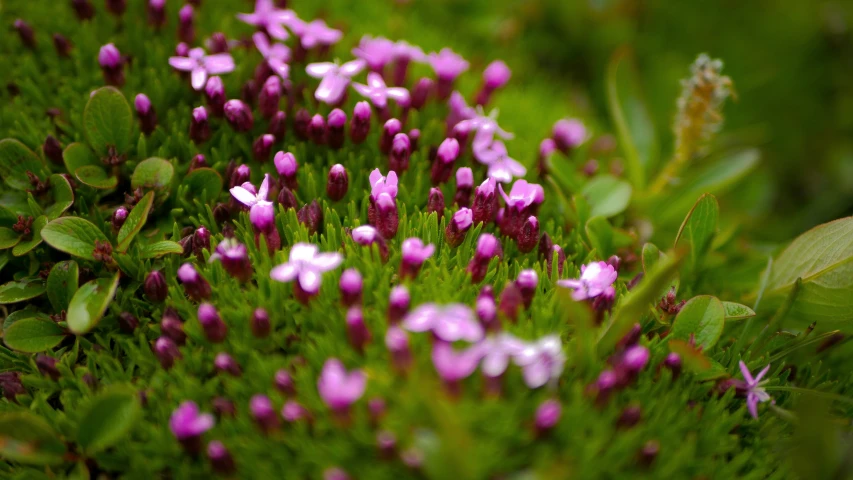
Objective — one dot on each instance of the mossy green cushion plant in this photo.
(295, 263)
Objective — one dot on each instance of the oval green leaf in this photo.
(24, 247)
(22, 315)
(703, 316)
(600, 234)
(153, 174)
(736, 311)
(107, 121)
(651, 256)
(698, 230)
(73, 235)
(89, 304)
(158, 249)
(8, 238)
(28, 438)
(62, 284)
(63, 196)
(204, 184)
(16, 160)
(134, 222)
(21, 290)
(106, 419)
(78, 155)
(32, 335)
(607, 195)
(96, 177)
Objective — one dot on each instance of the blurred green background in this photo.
(791, 63)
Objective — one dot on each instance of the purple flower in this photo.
(186, 422)
(364, 235)
(497, 350)
(568, 134)
(307, 266)
(596, 279)
(523, 195)
(376, 52)
(496, 75)
(293, 412)
(314, 33)
(351, 287)
(338, 388)
(234, 258)
(450, 323)
(277, 55)
(109, 56)
(502, 167)
(447, 64)
(487, 128)
(459, 110)
(383, 185)
(335, 79)
(541, 361)
(458, 226)
(398, 304)
(261, 211)
(201, 65)
(755, 392)
(263, 413)
(547, 415)
(414, 255)
(378, 93)
(452, 365)
(269, 19)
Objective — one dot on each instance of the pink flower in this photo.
(200, 65)
(268, 18)
(335, 79)
(541, 361)
(447, 64)
(459, 110)
(502, 168)
(596, 279)
(186, 421)
(306, 265)
(380, 184)
(497, 352)
(338, 388)
(452, 365)
(277, 55)
(755, 392)
(449, 322)
(377, 52)
(523, 195)
(415, 252)
(486, 127)
(315, 33)
(378, 93)
(261, 211)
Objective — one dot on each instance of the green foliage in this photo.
(89, 303)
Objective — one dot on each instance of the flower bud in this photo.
(631, 338)
(568, 134)
(300, 124)
(284, 382)
(260, 323)
(166, 351)
(269, 96)
(83, 9)
(197, 162)
(127, 322)
(11, 386)
(287, 199)
(387, 217)
(52, 150)
(199, 128)
(398, 158)
(414, 139)
(673, 363)
(487, 310)
(182, 50)
(47, 366)
(186, 29)
(278, 125)
(146, 113)
(360, 124)
(311, 215)
(286, 166)
(488, 247)
(239, 175)
(338, 183)
(223, 407)
(558, 254)
(214, 328)
(634, 360)
(485, 202)
(293, 412)
(376, 407)
(421, 92)
(389, 131)
(526, 282)
(357, 331)
(225, 363)
(458, 226)
(116, 7)
(218, 43)
(263, 413)
(442, 167)
(528, 237)
(547, 416)
(435, 203)
(317, 129)
(25, 32)
(398, 304)
(201, 241)
(546, 149)
(172, 327)
(239, 115)
(112, 65)
(156, 13)
(649, 452)
(351, 287)
(464, 186)
(61, 44)
(461, 132)
(336, 126)
(195, 285)
(214, 92)
(629, 417)
(220, 458)
(262, 147)
(397, 343)
(118, 218)
(510, 301)
(386, 442)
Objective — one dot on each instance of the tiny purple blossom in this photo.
(547, 415)
(365, 235)
(502, 167)
(447, 64)
(109, 56)
(498, 350)
(269, 18)
(596, 279)
(496, 75)
(277, 55)
(380, 184)
(338, 388)
(415, 252)
(335, 79)
(186, 421)
(755, 392)
(314, 33)
(307, 266)
(463, 218)
(378, 93)
(376, 52)
(201, 65)
(454, 365)
(448, 322)
(541, 361)
(523, 195)
(568, 134)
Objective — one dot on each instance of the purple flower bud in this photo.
(335, 129)
(52, 150)
(357, 331)
(495, 76)
(218, 43)
(127, 322)
(568, 134)
(225, 363)
(631, 338)
(116, 7)
(166, 351)
(239, 115)
(338, 183)
(284, 382)
(421, 92)
(188, 425)
(547, 415)
(649, 452)
(214, 328)
(112, 65)
(547, 148)
(278, 125)
(220, 458)
(386, 442)
(25, 31)
(195, 285)
(300, 124)
(488, 247)
(47, 366)
(11, 386)
(172, 327)
(223, 407)
(464, 186)
(201, 241)
(239, 175)
(182, 50)
(351, 287)
(629, 417)
(360, 124)
(260, 323)
(118, 218)
(510, 301)
(293, 412)
(558, 253)
(376, 408)
(286, 166)
(446, 155)
(614, 261)
(458, 226)
(435, 203)
(311, 215)
(61, 44)
(262, 147)
(461, 132)
(287, 199)
(485, 202)
(214, 91)
(186, 29)
(156, 13)
(317, 129)
(269, 97)
(83, 9)
(263, 413)
(387, 218)
(338, 388)
(526, 282)
(401, 150)
(673, 363)
(335, 473)
(528, 237)
(197, 162)
(391, 128)
(415, 254)
(146, 113)
(397, 342)
(487, 310)
(234, 259)
(199, 128)
(414, 138)
(398, 304)
(634, 359)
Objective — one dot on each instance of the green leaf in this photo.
(107, 121)
(96, 177)
(694, 360)
(134, 222)
(823, 257)
(703, 316)
(21, 290)
(651, 256)
(600, 234)
(16, 160)
(698, 230)
(7, 217)
(8, 238)
(78, 155)
(24, 247)
(24, 314)
(158, 249)
(32, 335)
(107, 418)
(63, 196)
(89, 304)
(204, 184)
(736, 311)
(73, 235)
(153, 174)
(28, 438)
(607, 195)
(62, 283)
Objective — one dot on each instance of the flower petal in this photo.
(303, 252)
(219, 63)
(244, 196)
(421, 319)
(536, 374)
(319, 70)
(327, 261)
(199, 77)
(310, 280)
(746, 374)
(331, 89)
(182, 63)
(285, 272)
(265, 188)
